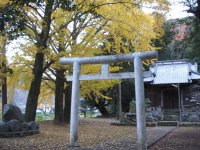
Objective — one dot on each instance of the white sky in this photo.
(178, 10)
(13, 48)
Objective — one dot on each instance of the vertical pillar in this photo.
(162, 104)
(75, 100)
(105, 70)
(140, 104)
(120, 101)
(179, 101)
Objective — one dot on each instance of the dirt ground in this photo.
(98, 134)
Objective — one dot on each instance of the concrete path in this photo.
(153, 133)
(182, 138)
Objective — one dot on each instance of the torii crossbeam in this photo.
(105, 60)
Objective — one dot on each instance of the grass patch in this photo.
(42, 116)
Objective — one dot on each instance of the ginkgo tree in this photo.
(5, 3)
(81, 28)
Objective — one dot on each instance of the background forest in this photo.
(46, 30)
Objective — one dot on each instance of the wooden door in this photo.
(170, 99)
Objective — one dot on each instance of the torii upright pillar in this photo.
(140, 104)
(75, 105)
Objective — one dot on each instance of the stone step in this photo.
(170, 117)
(171, 112)
(167, 123)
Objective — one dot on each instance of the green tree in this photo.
(193, 40)
(193, 7)
(174, 41)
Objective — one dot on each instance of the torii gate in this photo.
(105, 60)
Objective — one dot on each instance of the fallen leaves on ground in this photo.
(91, 133)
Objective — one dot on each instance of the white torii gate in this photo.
(105, 60)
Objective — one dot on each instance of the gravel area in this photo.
(94, 134)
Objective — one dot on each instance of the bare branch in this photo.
(52, 88)
(48, 64)
(48, 77)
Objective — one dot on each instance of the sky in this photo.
(178, 10)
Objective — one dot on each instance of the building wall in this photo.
(190, 99)
(190, 96)
(154, 94)
(165, 96)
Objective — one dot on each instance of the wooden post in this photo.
(119, 102)
(179, 101)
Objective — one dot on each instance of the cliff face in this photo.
(176, 33)
(181, 32)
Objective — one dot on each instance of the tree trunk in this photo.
(4, 85)
(67, 109)
(32, 100)
(59, 97)
(4, 80)
(102, 110)
(197, 10)
(194, 8)
(101, 107)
